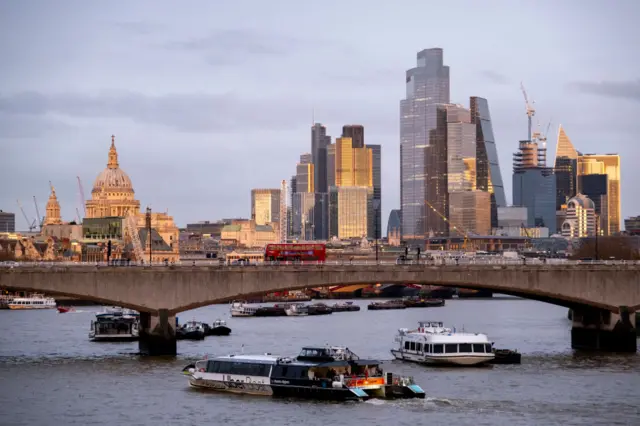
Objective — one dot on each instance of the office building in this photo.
(603, 164)
(304, 177)
(7, 222)
(394, 224)
(632, 225)
(534, 187)
(306, 158)
(350, 211)
(354, 166)
(512, 216)
(265, 206)
(580, 218)
(319, 142)
(469, 213)
(596, 187)
(488, 175)
(331, 165)
(565, 169)
(436, 186)
(427, 85)
(376, 153)
(355, 132)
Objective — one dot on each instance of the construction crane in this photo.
(526, 233)
(31, 225)
(529, 108)
(131, 225)
(82, 201)
(40, 218)
(464, 231)
(78, 219)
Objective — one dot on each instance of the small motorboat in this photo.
(218, 328)
(319, 309)
(297, 310)
(192, 330)
(65, 309)
(345, 307)
(506, 356)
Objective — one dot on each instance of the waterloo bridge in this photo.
(603, 296)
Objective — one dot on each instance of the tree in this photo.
(618, 247)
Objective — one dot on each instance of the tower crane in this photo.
(31, 225)
(529, 108)
(464, 231)
(40, 218)
(542, 152)
(82, 201)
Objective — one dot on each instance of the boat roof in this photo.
(273, 359)
(449, 337)
(258, 359)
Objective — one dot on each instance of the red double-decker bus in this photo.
(295, 252)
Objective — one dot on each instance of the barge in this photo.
(389, 304)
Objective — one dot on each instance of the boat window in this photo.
(478, 348)
(413, 346)
(487, 347)
(451, 348)
(406, 345)
(465, 347)
(427, 348)
(438, 349)
(419, 347)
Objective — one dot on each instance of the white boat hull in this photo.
(444, 359)
(242, 314)
(29, 307)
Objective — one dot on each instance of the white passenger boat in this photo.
(297, 310)
(240, 308)
(432, 343)
(35, 301)
(115, 325)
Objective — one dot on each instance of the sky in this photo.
(209, 99)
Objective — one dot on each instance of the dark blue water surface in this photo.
(51, 374)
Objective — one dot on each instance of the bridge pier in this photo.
(602, 330)
(157, 333)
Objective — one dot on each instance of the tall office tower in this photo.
(534, 187)
(354, 166)
(304, 177)
(319, 142)
(427, 85)
(469, 209)
(376, 152)
(7, 222)
(605, 164)
(436, 182)
(331, 165)
(265, 205)
(350, 210)
(488, 176)
(355, 132)
(350, 213)
(565, 169)
(292, 192)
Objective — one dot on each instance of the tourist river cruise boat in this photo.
(35, 301)
(115, 325)
(432, 343)
(328, 373)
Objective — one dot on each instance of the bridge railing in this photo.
(425, 262)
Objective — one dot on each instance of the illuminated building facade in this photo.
(609, 165)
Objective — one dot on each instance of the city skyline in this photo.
(177, 138)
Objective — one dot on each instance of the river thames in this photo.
(52, 375)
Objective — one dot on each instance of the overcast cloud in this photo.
(210, 99)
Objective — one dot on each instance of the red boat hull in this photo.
(63, 309)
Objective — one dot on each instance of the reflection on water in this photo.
(52, 374)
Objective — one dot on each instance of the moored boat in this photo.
(418, 302)
(326, 373)
(432, 343)
(218, 328)
(296, 310)
(319, 309)
(345, 307)
(389, 304)
(240, 308)
(191, 330)
(271, 311)
(115, 325)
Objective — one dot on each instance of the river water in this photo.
(50, 374)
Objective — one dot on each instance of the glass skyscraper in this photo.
(427, 85)
(565, 169)
(488, 176)
(377, 189)
(608, 164)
